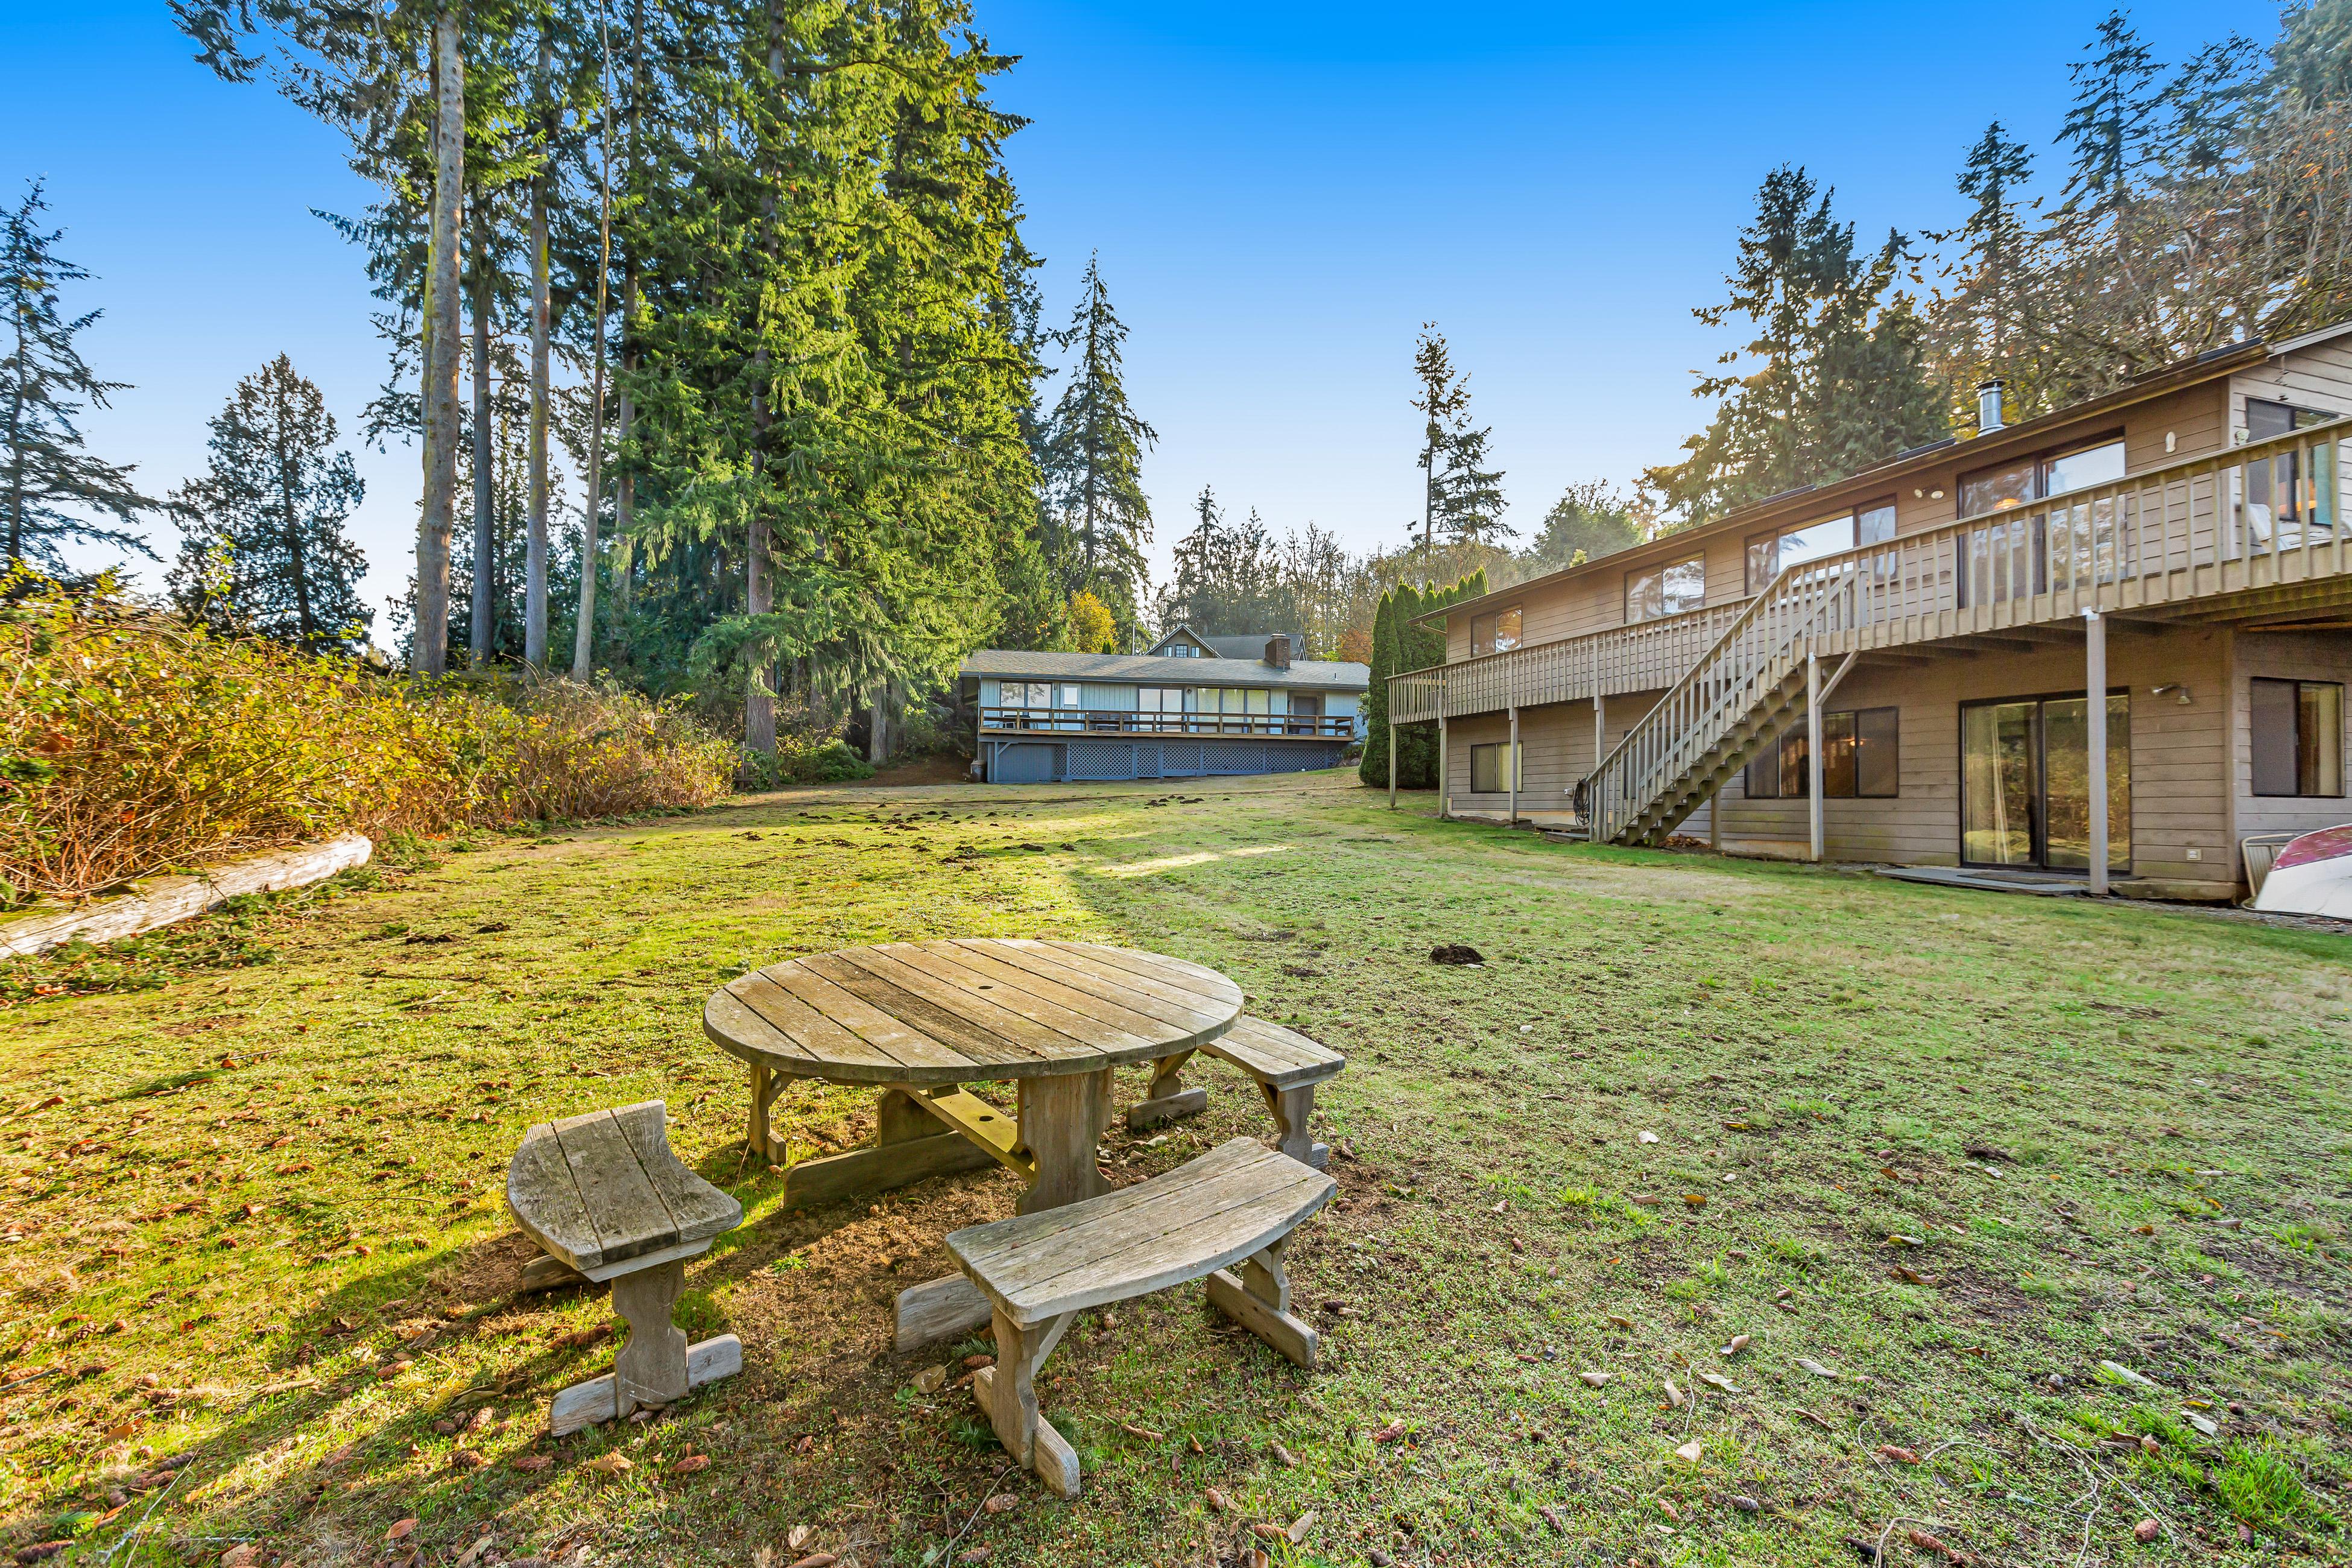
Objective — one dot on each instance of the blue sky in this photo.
(1280, 196)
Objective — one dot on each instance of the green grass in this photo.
(257, 1248)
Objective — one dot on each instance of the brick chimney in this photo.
(1277, 651)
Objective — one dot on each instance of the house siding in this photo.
(2302, 656)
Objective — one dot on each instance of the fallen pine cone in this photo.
(530, 1462)
(1908, 1456)
(690, 1463)
(1926, 1542)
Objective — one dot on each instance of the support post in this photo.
(1714, 822)
(1392, 764)
(1814, 756)
(2095, 678)
(1513, 763)
(1444, 777)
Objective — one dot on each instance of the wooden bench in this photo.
(1237, 1204)
(1286, 1066)
(608, 1201)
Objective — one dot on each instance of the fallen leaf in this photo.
(1696, 1200)
(401, 1529)
(1299, 1527)
(1133, 1430)
(798, 1537)
(1216, 1501)
(1738, 1343)
(1596, 1378)
(1269, 1532)
(1673, 1396)
(1892, 1451)
(528, 1463)
(816, 1560)
(1717, 1381)
(691, 1464)
(1688, 1452)
(2127, 1375)
(243, 1556)
(1621, 1322)
(1646, 1137)
(1900, 1240)
(1389, 1432)
(1282, 1455)
(1816, 1368)
(2202, 1422)
(610, 1464)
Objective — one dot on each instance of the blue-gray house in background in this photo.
(1190, 706)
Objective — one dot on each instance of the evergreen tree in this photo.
(266, 551)
(1092, 445)
(1461, 499)
(1834, 377)
(1228, 577)
(2311, 65)
(2111, 127)
(1373, 766)
(1990, 322)
(55, 490)
(1588, 520)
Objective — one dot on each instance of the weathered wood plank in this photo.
(1097, 1022)
(998, 1018)
(1147, 1113)
(168, 899)
(591, 1403)
(981, 1048)
(1276, 1057)
(1269, 1322)
(1160, 966)
(732, 1026)
(628, 1215)
(545, 1201)
(1061, 1120)
(938, 1309)
(697, 1210)
(825, 1037)
(987, 1127)
(1123, 1005)
(1174, 1005)
(810, 1184)
(1230, 1203)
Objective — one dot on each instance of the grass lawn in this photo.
(1957, 1150)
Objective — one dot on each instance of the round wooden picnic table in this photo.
(918, 1018)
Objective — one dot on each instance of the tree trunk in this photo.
(430, 654)
(486, 507)
(289, 516)
(759, 593)
(583, 636)
(624, 488)
(877, 728)
(534, 571)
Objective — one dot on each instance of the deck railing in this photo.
(1622, 659)
(1122, 722)
(2264, 518)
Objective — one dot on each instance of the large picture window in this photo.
(1862, 759)
(1495, 633)
(2298, 735)
(1770, 554)
(1655, 592)
(1487, 763)
(2014, 484)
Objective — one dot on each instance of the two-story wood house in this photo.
(1188, 707)
(2112, 641)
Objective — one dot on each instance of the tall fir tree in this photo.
(1834, 377)
(1227, 577)
(1990, 321)
(55, 490)
(1588, 520)
(1092, 445)
(2113, 127)
(266, 551)
(1461, 499)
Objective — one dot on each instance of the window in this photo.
(1159, 699)
(1497, 632)
(1770, 554)
(1025, 693)
(2035, 479)
(1487, 764)
(1180, 650)
(2278, 483)
(1657, 592)
(1862, 756)
(2298, 737)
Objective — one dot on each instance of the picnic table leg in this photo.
(1007, 1393)
(909, 1144)
(1256, 1295)
(651, 1368)
(1062, 1118)
(764, 1085)
(1167, 1099)
(1292, 1108)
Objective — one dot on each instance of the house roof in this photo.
(1829, 495)
(1153, 669)
(1251, 645)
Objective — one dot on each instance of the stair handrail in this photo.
(2107, 545)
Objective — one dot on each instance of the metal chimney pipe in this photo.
(1988, 417)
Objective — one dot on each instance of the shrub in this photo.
(132, 744)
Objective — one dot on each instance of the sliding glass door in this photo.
(2025, 797)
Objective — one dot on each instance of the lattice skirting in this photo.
(1104, 761)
